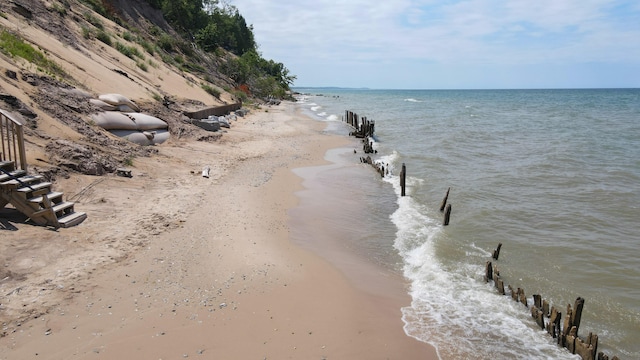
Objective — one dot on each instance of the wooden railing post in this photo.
(12, 138)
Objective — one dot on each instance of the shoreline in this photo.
(204, 267)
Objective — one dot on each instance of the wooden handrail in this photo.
(12, 140)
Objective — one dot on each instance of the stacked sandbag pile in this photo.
(121, 118)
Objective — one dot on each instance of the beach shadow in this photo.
(8, 217)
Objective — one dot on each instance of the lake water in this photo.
(553, 175)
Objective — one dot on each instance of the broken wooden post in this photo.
(522, 297)
(403, 179)
(592, 341)
(553, 327)
(444, 200)
(577, 313)
(499, 285)
(447, 215)
(566, 327)
(545, 308)
(488, 275)
(537, 301)
(496, 252)
(537, 314)
(570, 340)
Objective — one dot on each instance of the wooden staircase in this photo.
(33, 196)
(29, 194)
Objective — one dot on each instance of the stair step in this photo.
(15, 173)
(53, 196)
(62, 206)
(34, 187)
(28, 179)
(72, 219)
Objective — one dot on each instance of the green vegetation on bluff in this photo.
(211, 26)
(12, 45)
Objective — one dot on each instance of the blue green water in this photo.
(553, 175)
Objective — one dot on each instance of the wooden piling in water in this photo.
(499, 285)
(488, 274)
(444, 200)
(577, 312)
(447, 215)
(553, 326)
(537, 301)
(536, 313)
(496, 252)
(403, 180)
(363, 127)
(545, 307)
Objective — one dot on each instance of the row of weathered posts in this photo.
(364, 129)
(549, 319)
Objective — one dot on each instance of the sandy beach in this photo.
(171, 264)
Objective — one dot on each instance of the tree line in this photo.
(212, 25)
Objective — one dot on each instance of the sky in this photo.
(450, 44)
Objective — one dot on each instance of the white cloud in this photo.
(468, 33)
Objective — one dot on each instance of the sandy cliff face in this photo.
(54, 104)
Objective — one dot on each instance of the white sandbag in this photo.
(224, 122)
(147, 122)
(103, 105)
(117, 99)
(110, 120)
(125, 108)
(143, 137)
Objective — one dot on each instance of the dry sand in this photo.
(171, 264)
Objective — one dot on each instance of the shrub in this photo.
(97, 6)
(12, 45)
(142, 66)
(211, 90)
(104, 37)
(59, 9)
(156, 96)
(166, 43)
(148, 47)
(240, 95)
(94, 20)
(127, 36)
(87, 33)
(129, 51)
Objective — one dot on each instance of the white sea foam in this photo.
(451, 309)
(412, 100)
(315, 108)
